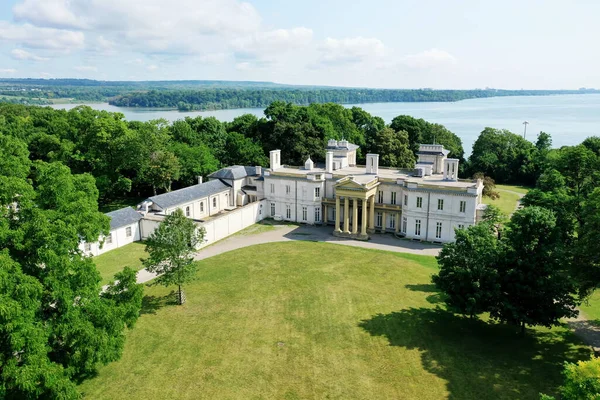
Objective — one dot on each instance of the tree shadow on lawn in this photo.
(477, 359)
(151, 304)
(436, 297)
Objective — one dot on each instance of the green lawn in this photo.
(114, 261)
(507, 202)
(514, 188)
(592, 308)
(305, 320)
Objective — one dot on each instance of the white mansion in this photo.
(425, 203)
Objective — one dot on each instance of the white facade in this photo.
(124, 229)
(409, 203)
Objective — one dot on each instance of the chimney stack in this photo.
(372, 164)
(329, 162)
(451, 169)
(199, 179)
(275, 156)
(258, 170)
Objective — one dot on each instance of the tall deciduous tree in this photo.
(537, 287)
(55, 325)
(392, 147)
(468, 270)
(170, 248)
(162, 169)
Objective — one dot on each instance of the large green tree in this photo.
(56, 325)
(504, 156)
(392, 147)
(170, 251)
(536, 285)
(468, 270)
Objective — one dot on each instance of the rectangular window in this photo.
(438, 230)
(317, 214)
(272, 209)
(87, 246)
(393, 221)
(272, 188)
(380, 197)
(109, 239)
(128, 231)
(440, 204)
(288, 212)
(419, 202)
(317, 192)
(201, 206)
(187, 211)
(288, 189)
(461, 226)
(304, 213)
(463, 206)
(379, 219)
(333, 209)
(404, 223)
(417, 227)
(405, 199)
(393, 200)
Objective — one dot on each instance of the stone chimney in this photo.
(451, 169)
(275, 156)
(309, 165)
(372, 164)
(329, 162)
(258, 170)
(199, 179)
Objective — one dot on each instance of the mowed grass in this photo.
(509, 197)
(305, 320)
(514, 188)
(591, 308)
(111, 262)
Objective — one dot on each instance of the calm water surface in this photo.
(568, 118)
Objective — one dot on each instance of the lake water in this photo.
(568, 118)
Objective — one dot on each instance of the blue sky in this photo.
(395, 44)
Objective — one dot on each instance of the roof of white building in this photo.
(360, 175)
(234, 172)
(189, 194)
(123, 217)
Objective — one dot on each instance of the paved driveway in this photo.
(286, 233)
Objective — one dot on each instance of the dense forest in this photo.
(212, 95)
(213, 99)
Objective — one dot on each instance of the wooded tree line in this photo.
(537, 267)
(135, 159)
(224, 98)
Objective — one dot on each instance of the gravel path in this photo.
(587, 331)
(308, 233)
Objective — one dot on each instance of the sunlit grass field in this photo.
(305, 320)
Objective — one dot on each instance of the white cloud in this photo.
(429, 59)
(148, 26)
(271, 43)
(243, 66)
(46, 75)
(20, 54)
(152, 67)
(86, 68)
(50, 13)
(351, 50)
(213, 58)
(41, 38)
(8, 71)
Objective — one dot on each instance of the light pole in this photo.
(525, 123)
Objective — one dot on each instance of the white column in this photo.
(355, 215)
(397, 222)
(346, 215)
(363, 230)
(337, 214)
(372, 212)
